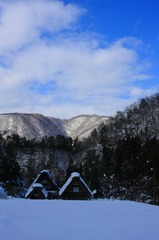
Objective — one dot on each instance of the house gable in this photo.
(75, 188)
(47, 180)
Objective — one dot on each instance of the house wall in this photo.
(36, 193)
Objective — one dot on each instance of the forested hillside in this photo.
(130, 152)
(119, 159)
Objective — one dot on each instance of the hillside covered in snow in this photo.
(37, 126)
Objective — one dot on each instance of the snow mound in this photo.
(3, 194)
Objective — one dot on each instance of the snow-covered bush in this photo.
(3, 194)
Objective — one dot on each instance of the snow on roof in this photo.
(36, 185)
(29, 191)
(45, 192)
(49, 174)
(69, 180)
(75, 174)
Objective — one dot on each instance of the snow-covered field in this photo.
(77, 220)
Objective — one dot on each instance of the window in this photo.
(76, 189)
(37, 195)
(44, 181)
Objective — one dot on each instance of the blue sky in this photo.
(72, 57)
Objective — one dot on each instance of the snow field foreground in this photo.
(22, 219)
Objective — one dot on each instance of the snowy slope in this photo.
(36, 125)
(81, 220)
(30, 125)
(81, 126)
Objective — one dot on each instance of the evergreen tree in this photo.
(151, 169)
(9, 167)
(91, 169)
(106, 172)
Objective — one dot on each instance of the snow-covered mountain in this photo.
(36, 125)
(81, 126)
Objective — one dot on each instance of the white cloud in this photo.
(63, 73)
(22, 22)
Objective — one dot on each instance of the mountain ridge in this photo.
(35, 125)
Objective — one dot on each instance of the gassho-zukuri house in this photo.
(45, 187)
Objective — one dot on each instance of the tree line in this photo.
(130, 170)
